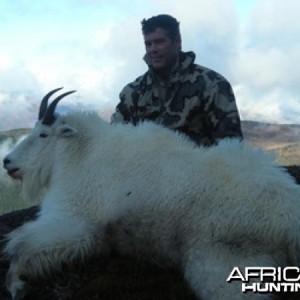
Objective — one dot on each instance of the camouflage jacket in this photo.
(195, 101)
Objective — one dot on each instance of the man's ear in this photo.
(66, 131)
(178, 42)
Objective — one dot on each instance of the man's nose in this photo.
(152, 47)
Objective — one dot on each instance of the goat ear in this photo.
(66, 131)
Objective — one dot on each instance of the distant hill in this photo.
(283, 139)
(266, 133)
(13, 135)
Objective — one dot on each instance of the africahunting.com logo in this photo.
(266, 279)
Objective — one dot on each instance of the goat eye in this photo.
(43, 135)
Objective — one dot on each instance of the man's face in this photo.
(161, 50)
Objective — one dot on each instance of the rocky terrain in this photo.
(114, 278)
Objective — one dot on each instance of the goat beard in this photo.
(31, 188)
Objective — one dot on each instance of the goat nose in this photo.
(6, 161)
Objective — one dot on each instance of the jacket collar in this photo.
(186, 59)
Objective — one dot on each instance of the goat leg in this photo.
(15, 282)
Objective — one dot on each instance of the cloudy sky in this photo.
(96, 47)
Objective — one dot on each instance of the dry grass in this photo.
(10, 196)
(10, 190)
(287, 154)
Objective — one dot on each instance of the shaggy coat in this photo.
(148, 191)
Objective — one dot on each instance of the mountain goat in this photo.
(149, 191)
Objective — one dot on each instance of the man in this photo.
(177, 93)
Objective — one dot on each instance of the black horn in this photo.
(49, 118)
(44, 103)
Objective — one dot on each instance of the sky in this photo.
(96, 47)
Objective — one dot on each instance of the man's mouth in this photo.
(156, 59)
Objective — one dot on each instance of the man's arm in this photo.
(124, 112)
(223, 116)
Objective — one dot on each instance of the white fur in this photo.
(148, 190)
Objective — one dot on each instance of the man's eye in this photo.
(43, 135)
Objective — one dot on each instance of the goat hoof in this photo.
(17, 290)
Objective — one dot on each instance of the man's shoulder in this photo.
(194, 71)
(208, 74)
(201, 76)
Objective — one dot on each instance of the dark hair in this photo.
(166, 22)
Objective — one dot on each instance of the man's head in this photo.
(162, 41)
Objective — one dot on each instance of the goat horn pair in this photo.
(46, 112)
